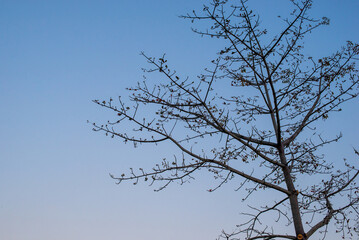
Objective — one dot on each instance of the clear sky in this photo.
(55, 57)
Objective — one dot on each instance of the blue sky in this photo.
(55, 57)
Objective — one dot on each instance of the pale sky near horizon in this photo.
(55, 57)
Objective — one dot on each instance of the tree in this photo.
(265, 121)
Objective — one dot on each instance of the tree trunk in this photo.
(293, 197)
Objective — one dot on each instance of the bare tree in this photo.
(258, 105)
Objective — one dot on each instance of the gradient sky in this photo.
(55, 57)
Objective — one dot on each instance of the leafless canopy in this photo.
(258, 106)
